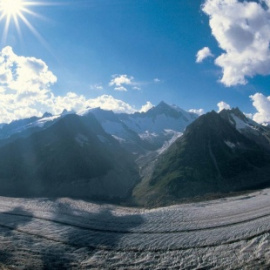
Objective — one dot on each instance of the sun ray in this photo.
(34, 31)
(2, 16)
(5, 33)
(34, 14)
(18, 26)
(36, 3)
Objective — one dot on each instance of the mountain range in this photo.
(154, 158)
(213, 156)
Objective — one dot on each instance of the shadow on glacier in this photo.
(72, 235)
(88, 231)
(26, 248)
(97, 227)
(12, 221)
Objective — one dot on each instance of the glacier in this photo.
(231, 233)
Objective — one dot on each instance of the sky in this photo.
(127, 56)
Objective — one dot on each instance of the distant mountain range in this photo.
(141, 132)
(154, 158)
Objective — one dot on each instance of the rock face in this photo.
(74, 157)
(211, 157)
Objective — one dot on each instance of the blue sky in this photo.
(130, 53)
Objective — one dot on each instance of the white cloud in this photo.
(157, 80)
(120, 81)
(242, 30)
(249, 115)
(223, 105)
(97, 86)
(203, 54)
(146, 107)
(72, 101)
(24, 85)
(120, 88)
(262, 105)
(197, 111)
(25, 90)
(107, 102)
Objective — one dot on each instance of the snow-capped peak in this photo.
(42, 121)
(238, 119)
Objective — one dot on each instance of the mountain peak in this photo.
(162, 103)
(161, 106)
(234, 115)
(236, 111)
(209, 120)
(171, 111)
(65, 112)
(46, 114)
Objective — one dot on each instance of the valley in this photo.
(135, 135)
(165, 189)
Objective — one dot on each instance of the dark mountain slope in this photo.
(74, 157)
(211, 157)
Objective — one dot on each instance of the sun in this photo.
(11, 7)
(16, 12)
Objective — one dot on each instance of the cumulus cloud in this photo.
(249, 115)
(203, 54)
(262, 105)
(24, 85)
(197, 111)
(107, 102)
(146, 107)
(120, 81)
(223, 105)
(25, 90)
(242, 30)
